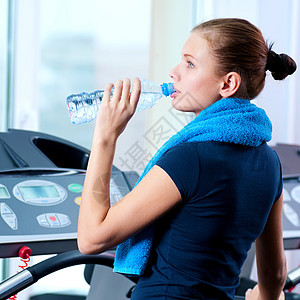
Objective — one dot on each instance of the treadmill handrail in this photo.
(67, 259)
(29, 276)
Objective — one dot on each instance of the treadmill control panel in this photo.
(43, 205)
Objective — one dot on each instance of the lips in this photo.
(176, 93)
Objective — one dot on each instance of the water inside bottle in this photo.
(83, 108)
(148, 100)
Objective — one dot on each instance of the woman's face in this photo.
(194, 77)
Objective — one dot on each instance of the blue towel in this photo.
(229, 120)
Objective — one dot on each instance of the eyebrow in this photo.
(189, 55)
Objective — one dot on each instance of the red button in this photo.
(53, 219)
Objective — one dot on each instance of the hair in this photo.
(239, 46)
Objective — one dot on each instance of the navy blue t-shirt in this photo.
(227, 192)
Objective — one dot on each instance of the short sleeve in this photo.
(182, 164)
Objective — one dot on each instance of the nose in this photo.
(174, 74)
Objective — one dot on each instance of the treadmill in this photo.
(41, 179)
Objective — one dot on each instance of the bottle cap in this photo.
(167, 88)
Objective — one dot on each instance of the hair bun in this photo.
(280, 65)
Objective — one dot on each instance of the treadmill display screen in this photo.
(39, 192)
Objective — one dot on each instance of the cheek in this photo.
(204, 85)
(204, 92)
(198, 85)
(193, 83)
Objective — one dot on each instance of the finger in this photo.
(107, 93)
(117, 91)
(136, 91)
(126, 90)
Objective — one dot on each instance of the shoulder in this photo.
(270, 155)
(182, 164)
(185, 163)
(179, 157)
(183, 156)
(182, 149)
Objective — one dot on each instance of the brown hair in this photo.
(239, 46)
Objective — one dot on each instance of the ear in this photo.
(230, 84)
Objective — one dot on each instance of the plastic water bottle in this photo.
(83, 107)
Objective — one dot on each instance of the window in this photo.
(72, 46)
(3, 62)
(64, 47)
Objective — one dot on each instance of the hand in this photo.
(253, 294)
(115, 113)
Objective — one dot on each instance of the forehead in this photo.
(196, 46)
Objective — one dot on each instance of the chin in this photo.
(182, 108)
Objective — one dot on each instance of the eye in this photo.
(190, 64)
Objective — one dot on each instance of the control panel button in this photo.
(4, 194)
(75, 187)
(77, 200)
(43, 220)
(53, 220)
(296, 193)
(11, 221)
(9, 216)
(63, 219)
(5, 209)
(291, 214)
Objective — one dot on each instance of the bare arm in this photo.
(270, 258)
(100, 226)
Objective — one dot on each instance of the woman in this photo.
(211, 190)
